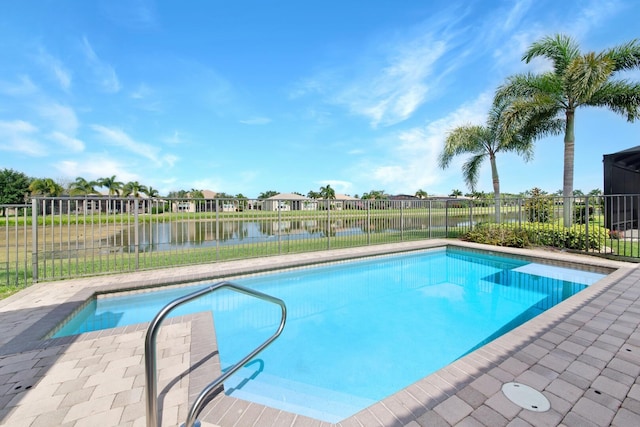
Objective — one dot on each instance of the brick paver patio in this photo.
(583, 355)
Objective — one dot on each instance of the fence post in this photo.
(446, 219)
(429, 224)
(586, 223)
(328, 224)
(368, 221)
(401, 222)
(471, 214)
(136, 232)
(34, 240)
(519, 212)
(279, 228)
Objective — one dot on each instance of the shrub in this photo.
(574, 237)
(541, 234)
(498, 235)
(538, 208)
(579, 213)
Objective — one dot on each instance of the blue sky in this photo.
(249, 96)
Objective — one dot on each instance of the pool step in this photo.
(315, 402)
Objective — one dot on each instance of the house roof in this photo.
(628, 159)
(288, 196)
(345, 197)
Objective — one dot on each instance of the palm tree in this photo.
(485, 142)
(421, 194)
(455, 193)
(133, 188)
(375, 195)
(151, 192)
(82, 187)
(46, 187)
(577, 80)
(112, 186)
(327, 192)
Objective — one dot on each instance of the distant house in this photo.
(289, 202)
(406, 201)
(343, 201)
(196, 205)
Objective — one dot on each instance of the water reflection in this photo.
(164, 236)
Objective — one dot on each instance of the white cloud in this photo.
(399, 87)
(413, 162)
(55, 66)
(119, 138)
(170, 159)
(103, 72)
(141, 92)
(62, 118)
(18, 136)
(87, 168)
(341, 187)
(256, 121)
(71, 143)
(592, 14)
(213, 184)
(175, 139)
(24, 87)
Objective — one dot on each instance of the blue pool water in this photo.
(357, 331)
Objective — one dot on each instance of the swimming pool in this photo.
(359, 331)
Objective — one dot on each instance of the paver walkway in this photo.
(584, 355)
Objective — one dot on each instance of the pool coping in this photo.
(453, 390)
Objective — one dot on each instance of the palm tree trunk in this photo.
(496, 186)
(567, 186)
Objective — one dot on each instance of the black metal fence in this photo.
(55, 238)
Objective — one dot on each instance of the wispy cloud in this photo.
(87, 168)
(20, 136)
(388, 83)
(103, 72)
(413, 162)
(256, 121)
(56, 67)
(61, 117)
(340, 187)
(119, 138)
(591, 15)
(71, 143)
(135, 14)
(175, 138)
(24, 86)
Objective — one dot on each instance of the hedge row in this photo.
(541, 234)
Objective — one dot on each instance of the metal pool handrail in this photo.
(150, 351)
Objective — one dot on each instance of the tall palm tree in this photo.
(82, 187)
(577, 80)
(485, 142)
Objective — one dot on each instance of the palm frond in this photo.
(467, 139)
(620, 96)
(586, 74)
(560, 49)
(625, 56)
(471, 170)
